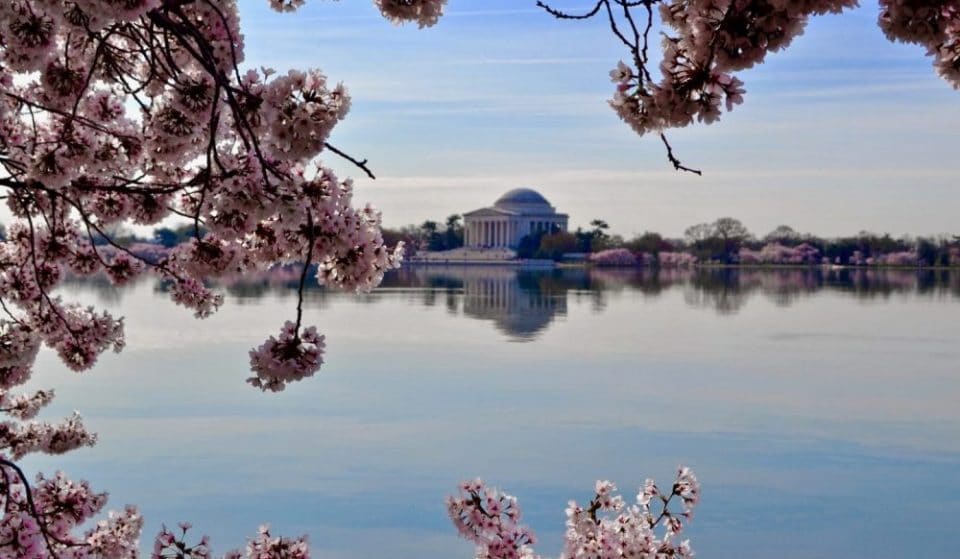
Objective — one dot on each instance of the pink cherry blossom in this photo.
(606, 528)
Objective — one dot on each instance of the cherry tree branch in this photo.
(362, 164)
(673, 159)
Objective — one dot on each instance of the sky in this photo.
(842, 132)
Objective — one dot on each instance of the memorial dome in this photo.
(525, 196)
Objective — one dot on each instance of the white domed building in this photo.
(516, 214)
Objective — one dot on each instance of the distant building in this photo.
(516, 214)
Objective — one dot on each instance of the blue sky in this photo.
(843, 131)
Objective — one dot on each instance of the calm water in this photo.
(820, 411)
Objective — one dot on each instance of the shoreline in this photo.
(550, 264)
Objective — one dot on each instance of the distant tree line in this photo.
(554, 244)
(429, 235)
(725, 241)
(728, 241)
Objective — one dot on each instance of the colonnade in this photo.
(492, 233)
(503, 233)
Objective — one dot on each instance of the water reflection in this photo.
(523, 303)
(520, 304)
(795, 394)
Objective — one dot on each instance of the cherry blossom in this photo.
(118, 113)
(775, 253)
(667, 259)
(424, 12)
(292, 357)
(706, 41)
(606, 528)
(904, 258)
(614, 257)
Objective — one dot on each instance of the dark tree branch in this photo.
(362, 164)
(673, 159)
(563, 15)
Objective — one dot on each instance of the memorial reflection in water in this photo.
(523, 303)
(519, 303)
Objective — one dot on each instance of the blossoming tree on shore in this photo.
(129, 112)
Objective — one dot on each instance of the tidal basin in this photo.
(818, 408)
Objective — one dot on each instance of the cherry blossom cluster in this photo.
(40, 522)
(114, 113)
(173, 545)
(607, 528)
(268, 546)
(934, 24)
(292, 357)
(117, 113)
(706, 41)
(856, 259)
(170, 544)
(490, 519)
(614, 257)
(902, 258)
(667, 259)
(710, 40)
(622, 257)
(424, 12)
(775, 253)
(20, 434)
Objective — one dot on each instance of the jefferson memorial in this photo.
(516, 214)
